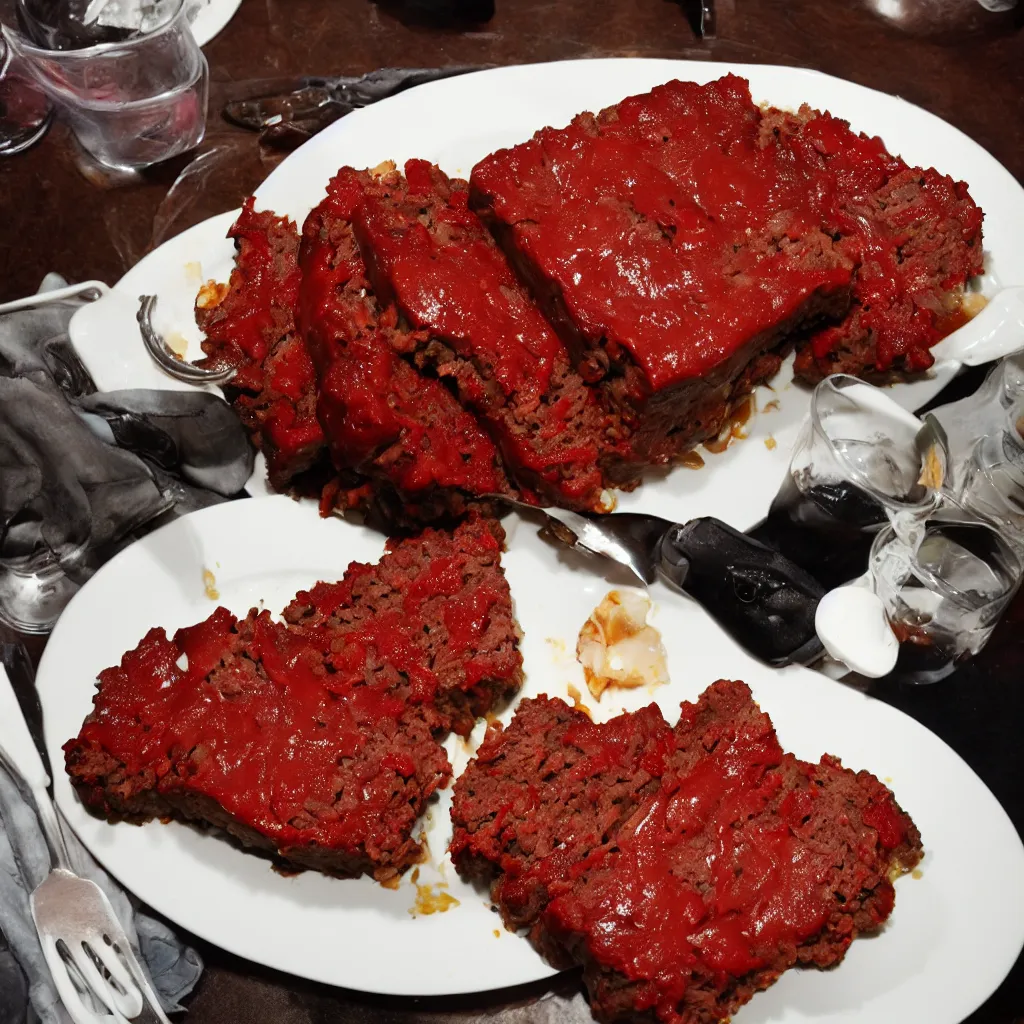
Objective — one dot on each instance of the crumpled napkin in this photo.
(174, 968)
(80, 471)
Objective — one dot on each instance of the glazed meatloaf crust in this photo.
(477, 328)
(675, 248)
(250, 326)
(317, 741)
(913, 234)
(422, 454)
(684, 868)
(440, 603)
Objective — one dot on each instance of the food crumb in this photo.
(574, 696)
(692, 460)
(738, 417)
(917, 873)
(431, 899)
(177, 343)
(771, 406)
(931, 469)
(617, 647)
(770, 443)
(211, 294)
(392, 883)
(497, 933)
(972, 304)
(210, 585)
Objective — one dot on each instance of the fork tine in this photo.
(65, 985)
(142, 982)
(121, 1007)
(113, 961)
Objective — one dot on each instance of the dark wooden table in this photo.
(971, 73)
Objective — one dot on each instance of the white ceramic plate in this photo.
(954, 934)
(212, 17)
(457, 121)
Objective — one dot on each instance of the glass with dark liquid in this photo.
(856, 466)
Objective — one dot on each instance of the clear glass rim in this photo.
(931, 498)
(935, 583)
(29, 48)
(1014, 416)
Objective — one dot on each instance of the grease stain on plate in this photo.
(431, 898)
(210, 585)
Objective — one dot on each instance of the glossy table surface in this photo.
(949, 56)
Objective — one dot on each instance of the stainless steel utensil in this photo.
(179, 369)
(762, 599)
(303, 106)
(84, 944)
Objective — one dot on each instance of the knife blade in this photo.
(313, 98)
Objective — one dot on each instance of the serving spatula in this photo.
(764, 601)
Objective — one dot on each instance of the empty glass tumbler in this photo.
(944, 595)
(25, 112)
(993, 479)
(130, 103)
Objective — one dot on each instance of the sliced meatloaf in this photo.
(439, 599)
(674, 249)
(690, 866)
(476, 327)
(913, 234)
(422, 454)
(250, 325)
(317, 742)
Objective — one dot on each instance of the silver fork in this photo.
(84, 944)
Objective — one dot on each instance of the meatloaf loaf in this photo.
(476, 327)
(913, 234)
(675, 247)
(317, 742)
(404, 432)
(684, 868)
(250, 326)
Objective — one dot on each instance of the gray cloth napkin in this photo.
(80, 471)
(173, 967)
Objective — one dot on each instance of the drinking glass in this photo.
(857, 465)
(993, 479)
(131, 103)
(33, 592)
(25, 112)
(943, 596)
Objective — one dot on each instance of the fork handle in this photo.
(19, 756)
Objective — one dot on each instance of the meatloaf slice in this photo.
(441, 600)
(323, 759)
(423, 455)
(477, 328)
(250, 326)
(913, 233)
(675, 250)
(316, 740)
(732, 861)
